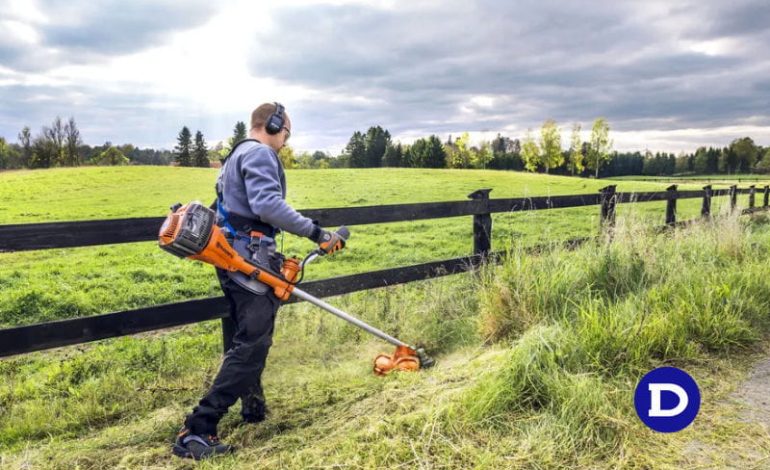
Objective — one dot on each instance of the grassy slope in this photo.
(116, 404)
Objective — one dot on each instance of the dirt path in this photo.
(755, 393)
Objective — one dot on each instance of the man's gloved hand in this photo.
(330, 242)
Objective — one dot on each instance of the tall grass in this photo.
(586, 324)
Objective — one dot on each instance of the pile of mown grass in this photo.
(538, 359)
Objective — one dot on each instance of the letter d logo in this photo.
(655, 409)
(667, 399)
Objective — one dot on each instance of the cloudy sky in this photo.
(668, 75)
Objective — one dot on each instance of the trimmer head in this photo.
(404, 359)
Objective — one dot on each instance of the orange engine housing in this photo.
(190, 231)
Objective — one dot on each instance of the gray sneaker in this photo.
(197, 446)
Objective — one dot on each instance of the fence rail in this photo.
(23, 237)
(36, 337)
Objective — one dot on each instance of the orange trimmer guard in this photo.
(405, 358)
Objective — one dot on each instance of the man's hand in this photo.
(330, 242)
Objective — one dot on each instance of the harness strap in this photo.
(244, 225)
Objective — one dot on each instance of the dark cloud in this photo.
(87, 32)
(738, 18)
(118, 27)
(567, 60)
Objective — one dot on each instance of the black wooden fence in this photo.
(36, 337)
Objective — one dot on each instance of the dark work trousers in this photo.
(241, 371)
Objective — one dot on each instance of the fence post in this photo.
(608, 200)
(767, 196)
(705, 210)
(733, 197)
(752, 192)
(482, 225)
(671, 206)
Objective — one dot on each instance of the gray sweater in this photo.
(253, 185)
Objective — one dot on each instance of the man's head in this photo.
(265, 116)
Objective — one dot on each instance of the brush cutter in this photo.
(190, 231)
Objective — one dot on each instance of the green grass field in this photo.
(538, 358)
(51, 284)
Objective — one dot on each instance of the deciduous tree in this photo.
(25, 140)
(530, 152)
(483, 156)
(550, 145)
(601, 145)
(575, 163)
(112, 156)
(72, 142)
(746, 153)
(286, 155)
(458, 153)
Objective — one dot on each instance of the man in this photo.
(251, 206)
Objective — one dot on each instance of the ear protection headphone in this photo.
(274, 123)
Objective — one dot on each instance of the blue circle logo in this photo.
(667, 399)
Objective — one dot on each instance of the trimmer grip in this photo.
(344, 232)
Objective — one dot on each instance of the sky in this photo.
(667, 75)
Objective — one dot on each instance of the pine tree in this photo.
(434, 154)
(200, 152)
(239, 132)
(418, 153)
(182, 149)
(376, 142)
(393, 156)
(356, 150)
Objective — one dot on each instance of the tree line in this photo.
(376, 149)
(60, 144)
(545, 153)
(742, 155)
(55, 145)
